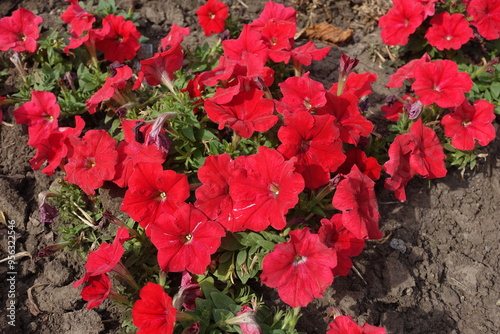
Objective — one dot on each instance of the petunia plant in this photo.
(226, 173)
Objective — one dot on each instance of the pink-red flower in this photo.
(212, 16)
(153, 191)
(333, 234)
(175, 37)
(440, 82)
(302, 94)
(314, 141)
(247, 112)
(78, 19)
(345, 325)
(367, 165)
(119, 39)
(264, 189)
(401, 21)
(449, 31)
(355, 197)
(469, 124)
(97, 290)
(405, 72)
(213, 196)
(301, 269)
(154, 313)
(20, 31)
(111, 89)
(186, 239)
(485, 17)
(161, 67)
(91, 160)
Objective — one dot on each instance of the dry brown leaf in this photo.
(34, 310)
(328, 34)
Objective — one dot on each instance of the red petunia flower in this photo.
(153, 191)
(416, 152)
(154, 313)
(247, 112)
(78, 19)
(301, 269)
(274, 12)
(131, 152)
(352, 124)
(345, 325)
(186, 239)
(314, 141)
(355, 197)
(401, 21)
(427, 158)
(469, 124)
(449, 31)
(302, 94)
(334, 234)
(20, 31)
(212, 16)
(97, 290)
(440, 82)
(91, 160)
(357, 84)
(308, 52)
(54, 148)
(486, 17)
(367, 165)
(161, 67)
(398, 166)
(175, 37)
(111, 89)
(213, 196)
(278, 37)
(264, 189)
(247, 49)
(119, 39)
(406, 72)
(40, 115)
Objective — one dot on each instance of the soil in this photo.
(437, 273)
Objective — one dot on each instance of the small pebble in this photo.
(398, 244)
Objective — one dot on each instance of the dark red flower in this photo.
(264, 189)
(20, 31)
(355, 197)
(91, 160)
(189, 290)
(212, 16)
(302, 94)
(119, 39)
(213, 196)
(314, 141)
(334, 234)
(247, 112)
(449, 31)
(486, 17)
(154, 313)
(469, 124)
(301, 269)
(153, 191)
(186, 239)
(440, 82)
(345, 325)
(401, 21)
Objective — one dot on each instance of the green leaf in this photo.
(230, 243)
(241, 257)
(221, 301)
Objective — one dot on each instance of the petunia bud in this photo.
(51, 249)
